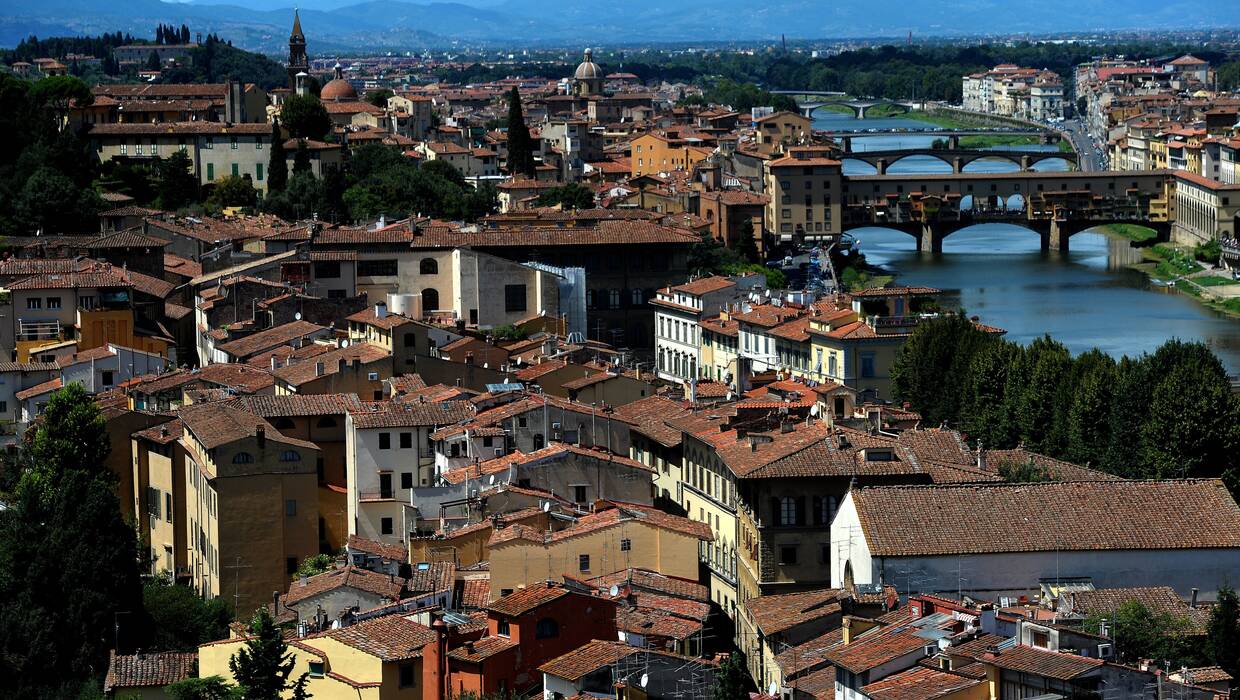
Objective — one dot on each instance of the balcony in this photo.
(43, 330)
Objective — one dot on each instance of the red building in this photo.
(525, 629)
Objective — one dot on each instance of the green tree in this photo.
(1192, 418)
(262, 665)
(568, 196)
(379, 98)
(277, 165)
(729, 682)
(209, 688)
(1090, 412)
(152, 61)
(305, 117)
(304, 196)
(932, 365)
(177, 185)
(520, 145)
(1223, 631)
(314, 565)
(984, 418)
(1139, 633)
(1027, 472)
(301, 159)
(53, 203)
(1047, 363)
(233, 191)
(68, 561)
(746, 244)
(58, 94)
(181, 618)
(1209, 252)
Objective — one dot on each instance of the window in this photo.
(406, 480)
(546, 628)
(87, 301)
(514, 297)
(787, 511)
(867, 365)
(53, 302)
(385, 526)
(290, 456)
(638, 297)
(327, 269)
(317, 668)
(579, 494)
(430, 300)
(428, 266)
(613, 298)
(501, 628)
(824, 554)
(406, 675)
(327, 422)
(787, 555)
(290, 507)
(583, 562)
(107, 377)
(411, 340)
(290, 565)
(1041, 639)
(406, 441)
(376, 268)
(34, 303)
(385, 441)
(232, 143)
(626, 545)
(243, 458)
(372, 376)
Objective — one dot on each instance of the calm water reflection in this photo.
(1084, 298)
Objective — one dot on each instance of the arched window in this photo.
(428, 266)
(290, 456)
(430, 300)
(283, 423)
(327, 422)
(243, 458)
(637, 297)
(546, 628)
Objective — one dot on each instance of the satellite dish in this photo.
(297, 316)
(519, 361)
(813, 411)
(546, 506)
(644, 680)
(344, 343)
(613, 591)
(772, 689)
(491, 481)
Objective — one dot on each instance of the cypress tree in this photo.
(262, 667)
(520, 145)
(277, 167)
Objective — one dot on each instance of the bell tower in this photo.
(298, 62)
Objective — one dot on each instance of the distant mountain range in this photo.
(331, 25)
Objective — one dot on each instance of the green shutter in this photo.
(236, 170)
(259, 172)
(210, 171)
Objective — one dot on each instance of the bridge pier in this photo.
(930, 239)
(880, 166)
(1026, 164)
(957, 165)
(953, 142)
(861, 112)
(847, 142)
(1056, 236)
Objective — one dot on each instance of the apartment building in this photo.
(805, 197)
(215, 149)
(679, 311)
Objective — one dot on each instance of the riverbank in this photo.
(1173, 265)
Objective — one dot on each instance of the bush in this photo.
(1210, 251)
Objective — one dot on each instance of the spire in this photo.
(297, 27)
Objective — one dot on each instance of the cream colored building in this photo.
(251, 498)
(215, 149)
(602, 542)
(782, 128)
(805, 194)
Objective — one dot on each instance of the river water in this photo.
(1084, 298)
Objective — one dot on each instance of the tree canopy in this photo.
(305, 117)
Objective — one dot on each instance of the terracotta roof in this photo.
(643, 579)
(776, 613)
(875, 648)
(581, 662)
(919, 683)
(28, 366)
(473, 592)
(1105, 515)
(482, 649)
(1157, 599)
(394, 414)
(704, 285)
(649, 417)
(303, 372)
(1048, 664)
(128, 238)
(1206, 674)
(389, 638)
(178, 128)
(819, 684)
(532, 372)
(1056, 469)
(605, 519)
(349, 577)
(163, 433)
(297, 406)
(526, 599)
(391, 552)
(388, 322)
(96, 276)
(38, 389)
(432, 577)
(794, 660)
(149, 670)
(215, 424)
(656, 622)
(272, 337)
(605, 232)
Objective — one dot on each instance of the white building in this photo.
(997, 539)
(679, 309)
(388, 453)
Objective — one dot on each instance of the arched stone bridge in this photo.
(957, 158)
(810, 100)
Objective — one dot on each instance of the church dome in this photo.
(588, 70)
(338, 89)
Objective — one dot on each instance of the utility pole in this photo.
(237, 581)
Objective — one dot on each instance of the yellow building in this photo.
(719, 351)
(385, 658)
(618, 537)
(782, 128)
(805, 194)
(656, 152)
(159, 496)
(251, 498)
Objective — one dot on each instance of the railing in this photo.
(38, 330)
(375, 495)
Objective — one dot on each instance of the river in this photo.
(1084, 298)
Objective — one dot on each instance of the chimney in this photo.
(319, 369)
(302, 581)
(435, 668)
(981, 456)
(1192, 602)
(260, 433)
(381, 309)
